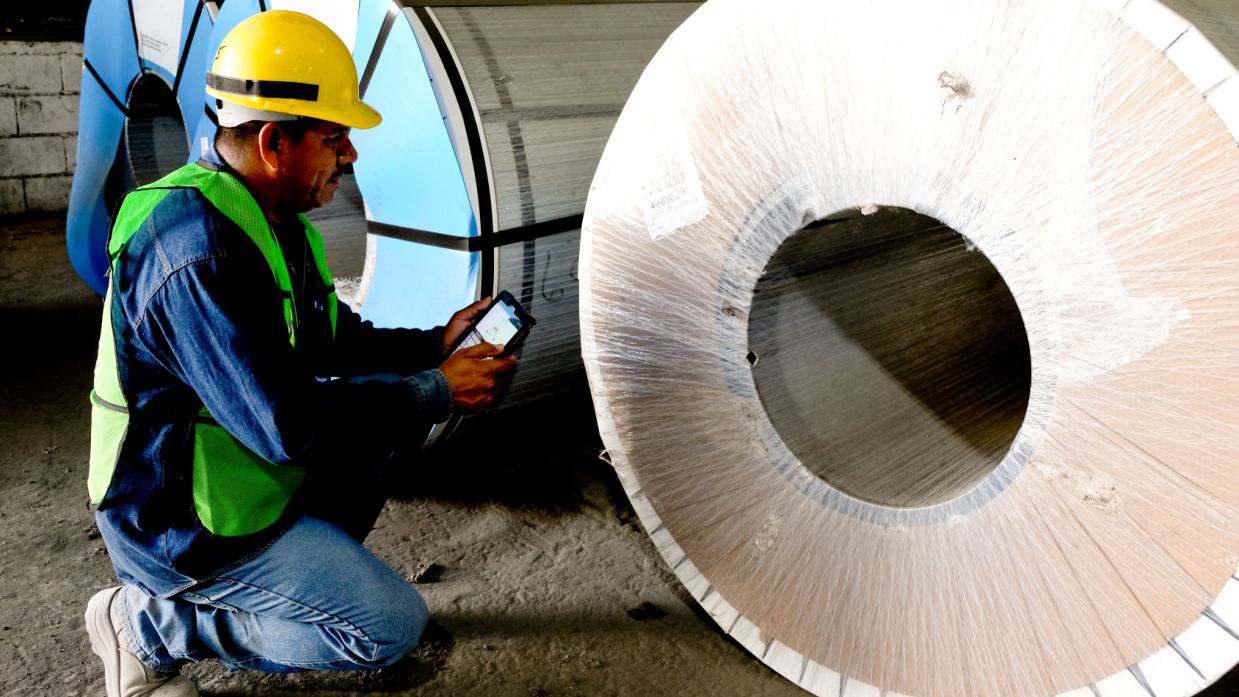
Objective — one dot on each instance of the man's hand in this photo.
(475, 381)
(460, 322)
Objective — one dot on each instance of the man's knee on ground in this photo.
(395, 633)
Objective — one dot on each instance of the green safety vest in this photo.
(236, 491)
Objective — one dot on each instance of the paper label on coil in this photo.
(674, 197)
(158, 23)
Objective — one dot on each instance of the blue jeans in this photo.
(314, 600)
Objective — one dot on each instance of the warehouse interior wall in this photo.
(40, 82)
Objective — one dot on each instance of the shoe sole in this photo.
(103, 637)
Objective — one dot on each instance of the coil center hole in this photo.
(894, 362)
(154, 142)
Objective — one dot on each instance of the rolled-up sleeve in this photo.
(434, 394)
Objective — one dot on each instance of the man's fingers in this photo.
(501, 365)
(475, 381)
(471, 311)
(481, 350)
(460, 322)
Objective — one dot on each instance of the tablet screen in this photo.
(498, 326)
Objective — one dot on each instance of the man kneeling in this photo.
(233, 486)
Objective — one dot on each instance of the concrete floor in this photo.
(540, 556)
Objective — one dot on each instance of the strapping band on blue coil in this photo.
(485, 243)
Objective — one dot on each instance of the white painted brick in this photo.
(38, 155)
(71, 68)
(12, 197)
(47, 114)
(40, 48)
(30, 74)
(48, 193)
(71, 154)
(8, 117)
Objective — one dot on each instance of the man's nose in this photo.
(347, 153)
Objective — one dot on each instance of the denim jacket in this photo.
(198, 320)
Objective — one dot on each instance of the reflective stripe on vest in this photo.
(235, 491)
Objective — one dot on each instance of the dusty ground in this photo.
(538, 559)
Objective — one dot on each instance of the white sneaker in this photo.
(125, 675)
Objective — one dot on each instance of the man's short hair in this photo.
(240, 137)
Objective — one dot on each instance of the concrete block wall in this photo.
(40, 83)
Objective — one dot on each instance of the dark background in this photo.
(63, 20)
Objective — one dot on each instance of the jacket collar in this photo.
(211, 158)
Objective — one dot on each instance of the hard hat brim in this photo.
(360, 115)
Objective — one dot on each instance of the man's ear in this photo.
(270, 145)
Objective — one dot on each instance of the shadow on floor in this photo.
(418, 668)
(531, 457)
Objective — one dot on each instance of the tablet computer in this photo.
(504, 322)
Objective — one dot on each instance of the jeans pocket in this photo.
(199, 599)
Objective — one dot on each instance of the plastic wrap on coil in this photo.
(912, 333)
(503, 136)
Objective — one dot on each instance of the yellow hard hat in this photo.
(289, 63)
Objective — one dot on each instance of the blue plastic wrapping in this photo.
(111, 54)
(409, 174)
